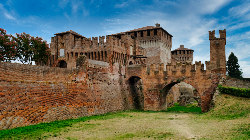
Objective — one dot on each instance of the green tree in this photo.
(233, 67)
(8, 46)
(24, 48)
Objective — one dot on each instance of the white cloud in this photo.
(245, 66)
(75, 7)
(123, 4)
(6, 13)
(240, 10)
(66, 15)
(62, 3)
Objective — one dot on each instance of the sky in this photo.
(187, 20)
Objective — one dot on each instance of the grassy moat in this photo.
(229, 119)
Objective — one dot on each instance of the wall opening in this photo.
(148, 32)
(179, 92)
(155, 31)
(62, 64)
(136, 92)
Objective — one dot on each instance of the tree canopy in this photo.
(24, 48)
(233, 67)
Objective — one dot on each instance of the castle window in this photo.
(61, 52)
(131, 50)
(71, 54)
(141, 33)
(105, 56)
(148, 32)
(76, 55)
(135, 33)
(155, 31)
(183, 52)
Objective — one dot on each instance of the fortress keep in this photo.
(182, 55)
(146, 45)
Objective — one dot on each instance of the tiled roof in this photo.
(178, 49)
(70, 31)
(143, 28)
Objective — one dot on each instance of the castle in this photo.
(147, 45)
(130, 70)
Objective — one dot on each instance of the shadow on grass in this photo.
(190, 108)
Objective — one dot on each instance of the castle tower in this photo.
(182, 55)
(217, 51)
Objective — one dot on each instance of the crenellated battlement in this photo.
(222, 35)
(179, 69)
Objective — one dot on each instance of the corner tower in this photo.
(217, 52)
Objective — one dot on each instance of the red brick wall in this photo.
(33, 94)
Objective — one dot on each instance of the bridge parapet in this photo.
(179, 69)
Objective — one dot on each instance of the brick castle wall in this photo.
(34, 94)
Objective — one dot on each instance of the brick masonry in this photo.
(106, 83)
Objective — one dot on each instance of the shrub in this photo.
(239, 92)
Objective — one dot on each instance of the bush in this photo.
(239, 92)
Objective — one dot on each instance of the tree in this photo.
(233, 67)
(24, 48)
(8, 46)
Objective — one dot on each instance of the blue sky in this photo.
(187, 20)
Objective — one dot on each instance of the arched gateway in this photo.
(204, 81)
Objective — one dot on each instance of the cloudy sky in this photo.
(187, 20)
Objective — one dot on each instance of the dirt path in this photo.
(180, 125)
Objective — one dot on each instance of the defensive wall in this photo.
(34, 94)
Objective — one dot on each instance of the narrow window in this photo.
(155, 31)
(135, 33)
(131, 50)
(72, 55)
(61, 52)
(141, 33)
(148, 32)
(105, 56)
(76, 55)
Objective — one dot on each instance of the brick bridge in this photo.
(156, 82)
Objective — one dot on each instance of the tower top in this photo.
(157, 25)
(222, 36)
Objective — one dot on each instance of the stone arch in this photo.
(62, 64)
(167, 99)
(136, 92)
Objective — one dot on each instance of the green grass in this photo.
(189, 108)
(35, 131)
(230, 107)
(227, 108)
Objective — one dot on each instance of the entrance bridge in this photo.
(157, 81)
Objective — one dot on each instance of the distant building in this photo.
(182, 55)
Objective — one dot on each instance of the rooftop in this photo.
(182, 48)
(70, 31)
(143, 29)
